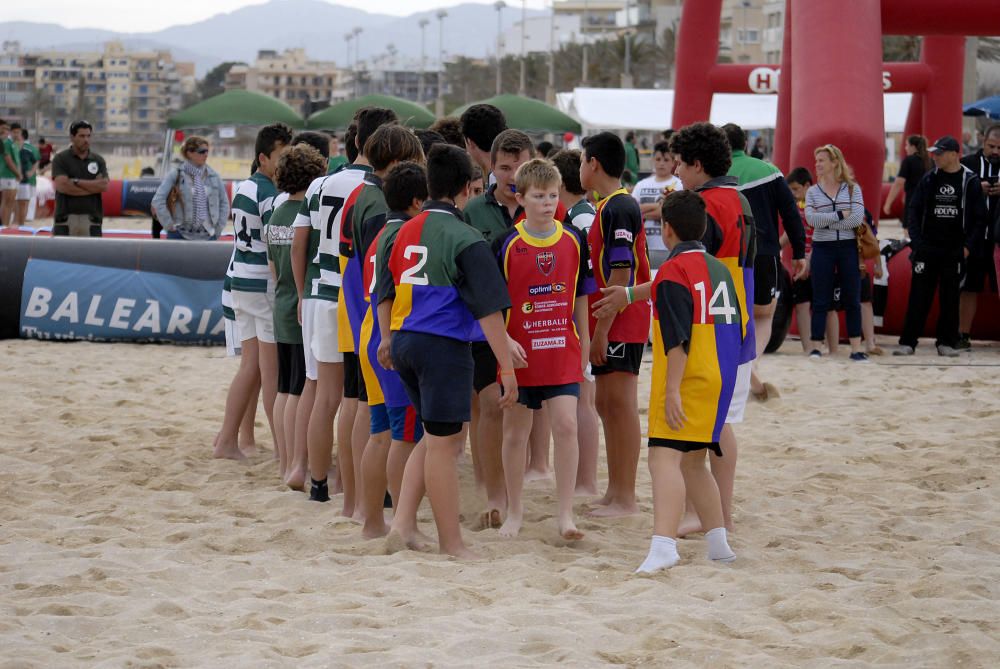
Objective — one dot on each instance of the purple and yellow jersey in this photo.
(364, 216)
(384, 385)
(444, 277)
(695, 305)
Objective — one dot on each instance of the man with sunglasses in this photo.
(79, 176)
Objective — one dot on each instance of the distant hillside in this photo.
(315, 25)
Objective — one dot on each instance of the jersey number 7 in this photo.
(335, 204)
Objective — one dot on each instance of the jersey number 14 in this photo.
(719, 305)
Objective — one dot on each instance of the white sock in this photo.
(662, 555)
(718, 546)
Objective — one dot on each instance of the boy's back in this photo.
(695, 303)
(364, 217)
(251, 211)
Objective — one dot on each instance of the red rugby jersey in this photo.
(618, 241)
(544, 277)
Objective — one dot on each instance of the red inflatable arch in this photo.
(832, 77)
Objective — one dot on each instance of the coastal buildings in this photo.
(127, 95)
(290, 76)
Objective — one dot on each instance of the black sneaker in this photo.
(858, 356)
(815, 354)
(964, 343)
(319, 492)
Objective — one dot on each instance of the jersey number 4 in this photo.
(721, 295)
(414, 275)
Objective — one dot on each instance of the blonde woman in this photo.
(835, 208)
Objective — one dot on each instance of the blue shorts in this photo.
(533, 396)
(403, 421)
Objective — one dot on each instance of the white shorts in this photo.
(254, 315)
(308, 308)
(25, 191)
(234, 347)
(321, 333)
(740, 394)
(8, 184)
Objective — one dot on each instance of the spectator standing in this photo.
(766, 190)
(631, 159)
(916, 163)
(835, 208)
(10, 173)
(45, 149)
(946, 220)
(79, 176)
(980, 270)
(29, 156)
(649, 193)
(202, 208)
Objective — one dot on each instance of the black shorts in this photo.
(291, 368)
(485, 372)
(533, 396)
(802, 291)
(980, 268)
(354, 382)
(437, 375)
(685, 446)
(765, 279)
(621, 357)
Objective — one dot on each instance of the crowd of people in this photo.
(21, 162)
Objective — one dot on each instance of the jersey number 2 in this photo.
(410, 275)
(721, 294)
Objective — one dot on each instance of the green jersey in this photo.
(279, 251)
(11, 151)
(335, 164)
(251, 213)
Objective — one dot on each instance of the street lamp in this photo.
(550, 93)
(357, 57)
(524, 27)
(627, 74)
(498, 5)
(439, 108)
(423, 61)
(583, 34)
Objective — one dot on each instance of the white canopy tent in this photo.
(652, 109)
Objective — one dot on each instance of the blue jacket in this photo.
(218, 205)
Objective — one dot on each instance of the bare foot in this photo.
(227, 451)
(604, 501)
(250, 451)
(537, 475)
(585, 491)
(397, 541)
(568, 530)
(374, 530)
(767, 391)
(347, 512)
(461, 552)
(296, 479)
(489, 518)
(690, 524)
(614, 510)
(511, 526)
(336, 485)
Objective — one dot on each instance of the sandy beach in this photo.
(866, 511)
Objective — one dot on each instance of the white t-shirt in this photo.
(648, 191)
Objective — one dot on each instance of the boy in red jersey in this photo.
(546, 267)
(444, 281)
(618, 251)
(696, 351)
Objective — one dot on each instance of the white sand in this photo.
(867, 534)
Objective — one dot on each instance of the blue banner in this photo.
(61, 300)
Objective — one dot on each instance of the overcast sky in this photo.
(132, 16)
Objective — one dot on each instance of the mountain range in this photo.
(317, 26)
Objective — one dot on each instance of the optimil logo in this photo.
(546, 261)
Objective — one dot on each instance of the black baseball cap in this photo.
(946, 143)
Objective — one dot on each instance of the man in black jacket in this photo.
(980, 272)
(945, 222)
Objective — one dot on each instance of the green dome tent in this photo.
(341, 114)
(236, 107)
(528, 114)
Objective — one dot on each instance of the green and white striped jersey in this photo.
(322, 210)
(252, 208)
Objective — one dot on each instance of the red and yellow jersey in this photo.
(618, 241)
(545, 275)
(350, 272)
(696, 305)
(731, 239)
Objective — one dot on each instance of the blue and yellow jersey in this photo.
(695, 305)
(444, 277)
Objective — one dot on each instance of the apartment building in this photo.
(292, 77)
(126, 95)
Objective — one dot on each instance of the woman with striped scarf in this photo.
(202, 210)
